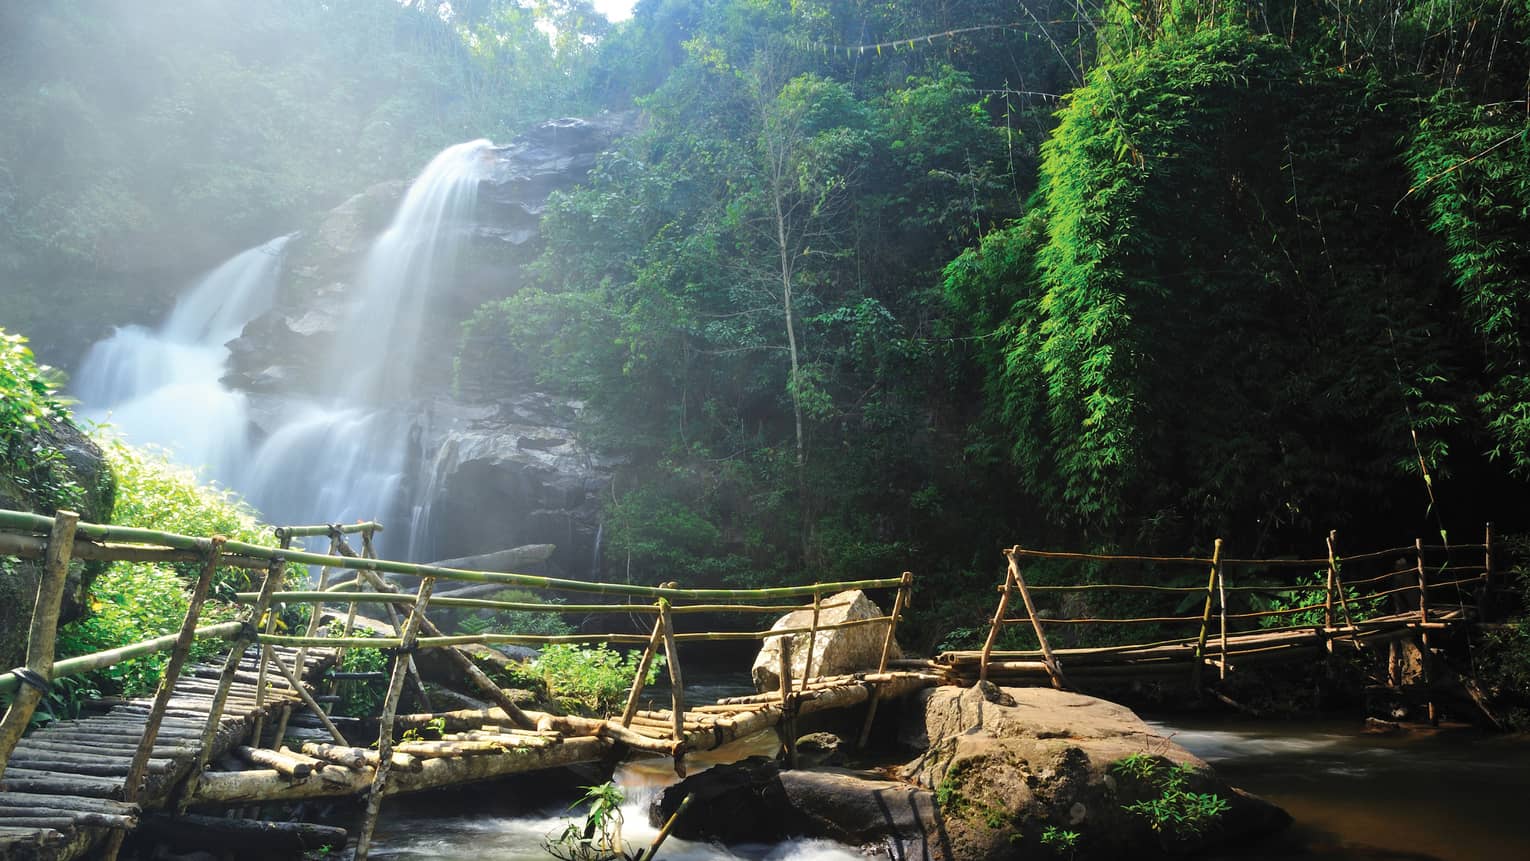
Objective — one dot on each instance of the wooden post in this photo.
(42, 636)
(1200, 645)
(1424, 654)
(788, 724)
(1222, 605)
(409, 637)
(274, 575)
(998, 622)
(899, 602)
(294, 678)
(1053, 669)
(641, 679)
(807, 669)
(178, 655)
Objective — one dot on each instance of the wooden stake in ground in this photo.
(787, 728)
(1425, 655)
(410, 635)
(178, 655)
(999, 615)
(44, 632)
(807, 668)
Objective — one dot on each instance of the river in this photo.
(1452, 795)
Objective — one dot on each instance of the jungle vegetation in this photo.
(882, 285)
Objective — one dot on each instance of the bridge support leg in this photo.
(641, 679)
(44, 633)
(1200, 647)
(899, 603)
(676, 684)
(410, 636)
(274, 574)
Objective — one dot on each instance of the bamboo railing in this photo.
(1247, 609)
(56, 540)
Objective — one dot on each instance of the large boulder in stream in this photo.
(1007, 773)
(835, 651)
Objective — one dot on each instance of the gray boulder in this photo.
(841, 650)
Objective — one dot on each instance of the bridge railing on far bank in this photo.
(1180, 615)
(355, 579)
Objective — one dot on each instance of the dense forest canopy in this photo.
(878, 285)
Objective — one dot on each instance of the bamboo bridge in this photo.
(217, 734)
(78, 786)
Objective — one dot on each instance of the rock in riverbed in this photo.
(1001, 774)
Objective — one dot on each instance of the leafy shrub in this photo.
(30, 459)
(591, 680)
(135, 601)
(531, 622)
(358, 697)
(1170, 809)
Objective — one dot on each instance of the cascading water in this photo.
(341, 456)
(345, 458)
(162, 386)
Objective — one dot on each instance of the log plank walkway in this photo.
(58, 797)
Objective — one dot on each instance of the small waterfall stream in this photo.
(342, 455)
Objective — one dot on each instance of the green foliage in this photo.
(516, 621)
(591, 680)
(31, 459)
(1060, 840)
(135, 601)
(1171, 810)
(599, 836)
(1311, 591)
(359, 697)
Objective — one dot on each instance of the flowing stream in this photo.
(1452, 795)
(340, 456)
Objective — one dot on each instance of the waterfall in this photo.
(342, 455)
(162, 386)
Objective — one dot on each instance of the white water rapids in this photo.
(337, 457)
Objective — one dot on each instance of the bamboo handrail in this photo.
(109, 657)
(21, 520)
(329, 596)
(326, 529)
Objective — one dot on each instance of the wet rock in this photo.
(820, 748)
(841, 650)
(85, 466)
(1005, 771)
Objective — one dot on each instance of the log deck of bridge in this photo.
(60, 794)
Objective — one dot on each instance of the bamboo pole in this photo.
(1425, 656)
(1222, 602)
(415, 679)
(1200, 646)
(389, 713)
(676, 683)
(641, 679)
(260, 678)
(43, 634)
(178, 655)
(98, 660)
(998, 622)
(807, 668)
(274, 574)
(788, 725)
(290, 532)
(26, 521)
(1485, 604)
(1333, 574)
(463, 661)
(1053, 669)
(905, 585)
(1338, 574)
(308, 700)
